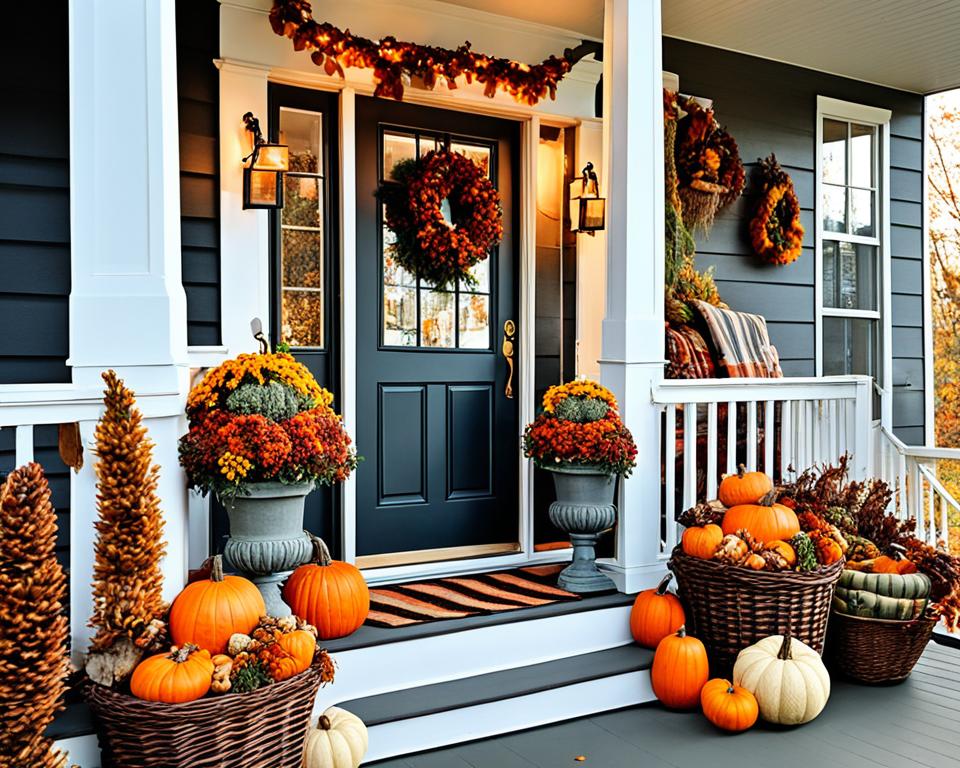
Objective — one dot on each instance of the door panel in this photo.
(439, 434)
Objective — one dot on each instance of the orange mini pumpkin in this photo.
(728, 706)
(184, 674)
(679, 671)
(291, 654)
(655, 614)
(766, 520)
(331, 595)
(701, 540)
(207, 612)
(744, 487)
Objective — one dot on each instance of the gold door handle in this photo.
(509, 330)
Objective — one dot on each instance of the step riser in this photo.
(396, 666)
(459, 725)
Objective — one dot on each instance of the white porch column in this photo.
(633, 354)
(127, 304)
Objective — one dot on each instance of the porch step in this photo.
(474, 707)
(376, 661)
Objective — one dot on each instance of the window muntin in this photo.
(415, 314)
(302, 233)
(850, 247)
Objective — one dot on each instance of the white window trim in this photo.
(851, 112)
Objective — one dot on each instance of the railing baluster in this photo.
(669, 471)
(902, 477)
(731, 438)
(944, 522)
(786, 432)
(768, 437)
(751, 435)
(918, 499)
(689, 455)
(24, 444)
(932, 516)
(713, 448)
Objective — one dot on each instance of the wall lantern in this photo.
(587, 208)
(263, 177)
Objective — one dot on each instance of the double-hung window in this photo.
(850, 237)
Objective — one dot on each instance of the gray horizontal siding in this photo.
(771, 107)
(35, 201)
(198, 104)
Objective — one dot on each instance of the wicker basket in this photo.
(262, 729)
(877, 650)
(729, 607)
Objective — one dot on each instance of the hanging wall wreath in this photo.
(709, 171)
(435, 249)
(775, 230)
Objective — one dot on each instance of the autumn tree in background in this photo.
(943, 201)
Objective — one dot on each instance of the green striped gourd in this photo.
(906, 585)
(858, 602)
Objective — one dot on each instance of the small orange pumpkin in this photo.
(679, 670)
(728, 706)
(784, 549)
(766, 519)
(828, 551)
(655, 614)
(301, 646)
(207, 612)
(331, 595)
(184, 674)
(744, 487)
(701, 540)
(755, 562)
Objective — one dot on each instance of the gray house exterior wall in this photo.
(772, 107)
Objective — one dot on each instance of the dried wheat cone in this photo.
(33, 627)
(127, 579)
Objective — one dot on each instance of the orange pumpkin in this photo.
(701, 540)
(655, 614)
(300, 646)
(828, 551)
(766, 520)
(744, 487)
(207, 612)
(755, 562)
(182, 675)
(728, 706)
(785, 550)
(679, 671)
(331, 595)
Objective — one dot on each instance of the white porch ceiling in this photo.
(907, 44)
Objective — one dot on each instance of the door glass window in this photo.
(301, 231)
(415, 313)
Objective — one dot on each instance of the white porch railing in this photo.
(712, 426)
(913, 473)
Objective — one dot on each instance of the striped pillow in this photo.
(742, 343)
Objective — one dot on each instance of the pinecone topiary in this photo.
(581, 409)
(806, 552)
(127, 601)
(33, 652)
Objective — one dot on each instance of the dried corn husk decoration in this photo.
(127, 602)
(33, 627)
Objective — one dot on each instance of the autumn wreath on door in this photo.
(436, 242)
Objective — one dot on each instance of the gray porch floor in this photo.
(916, 723)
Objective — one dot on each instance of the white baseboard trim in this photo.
(459, 725)
(422, 661)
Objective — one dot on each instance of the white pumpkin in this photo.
(787, 678)
(338, 741)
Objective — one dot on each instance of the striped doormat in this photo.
(401, 605)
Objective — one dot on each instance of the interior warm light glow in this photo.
(273, 157)
(549, 178)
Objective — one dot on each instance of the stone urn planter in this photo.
(267, 540)
(584, 509)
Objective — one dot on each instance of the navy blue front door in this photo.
(439, 434)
